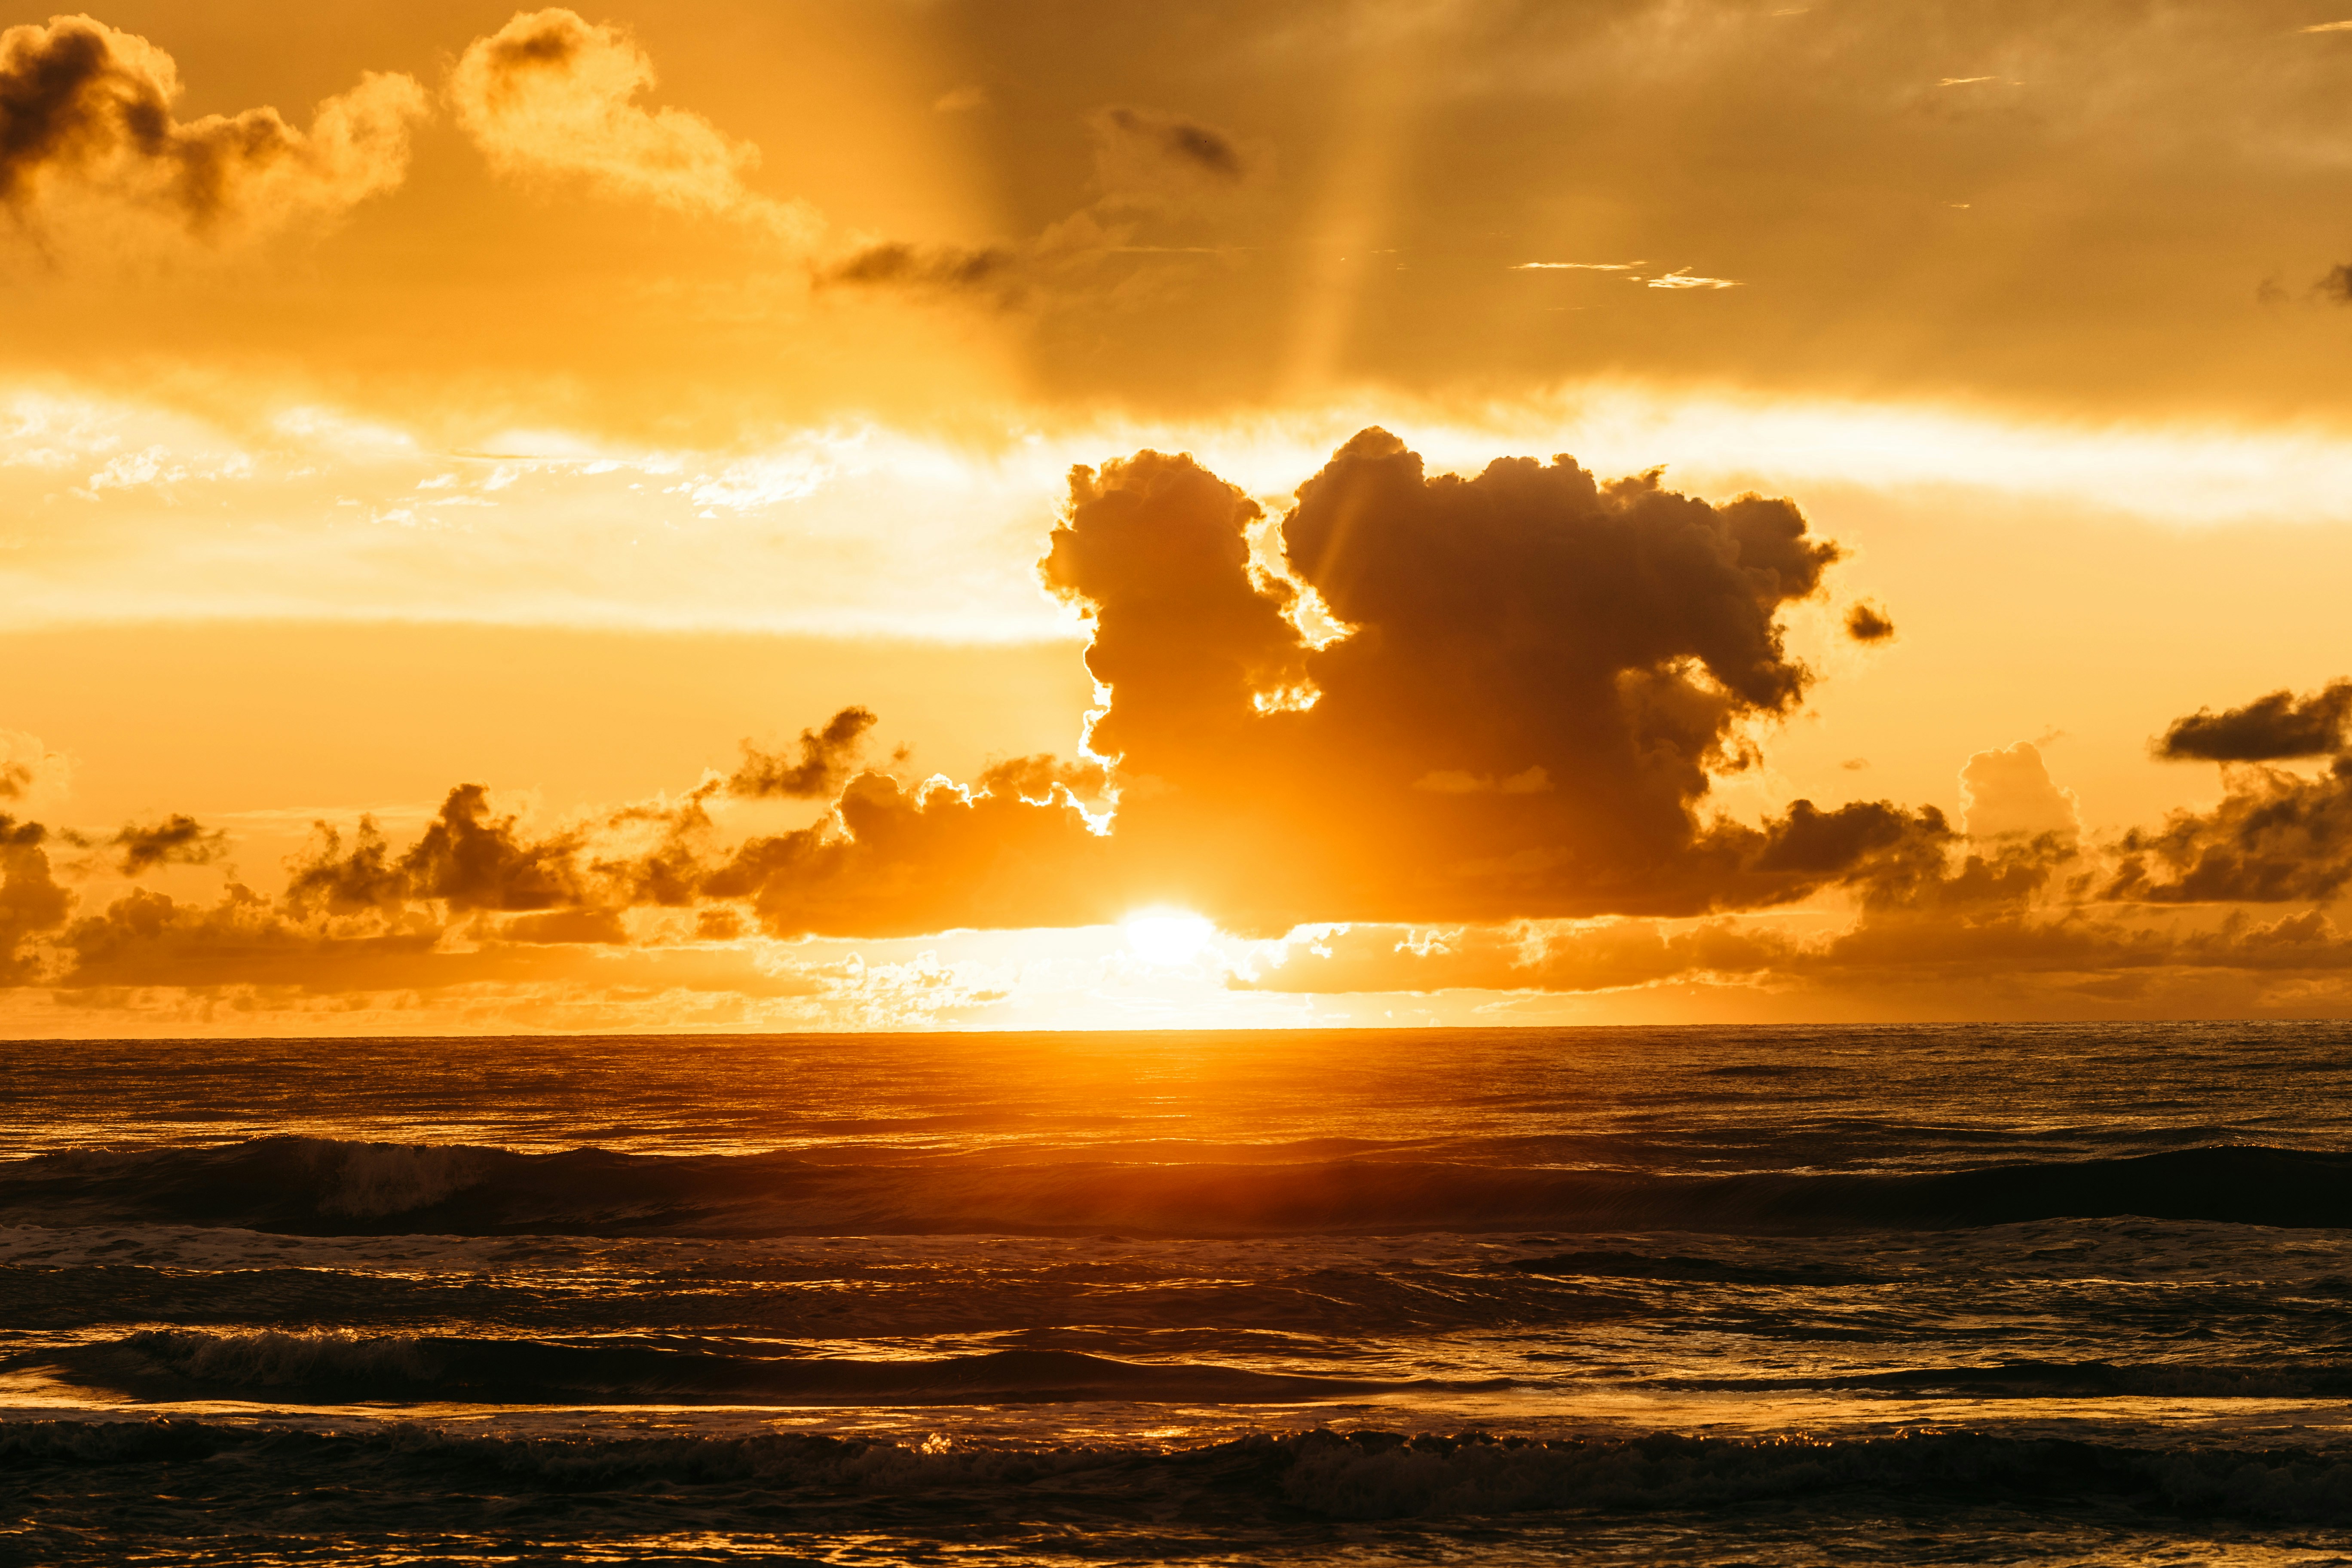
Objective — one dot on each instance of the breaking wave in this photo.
(325, 1186)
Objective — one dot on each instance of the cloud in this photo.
(1149, 164)
(2327, 28)
(1682, 277)
(895, 264)
(28, 768)
(1603, 956)
(2007, 793)
(895, 860)
(467, 859)
(1152, 155)
(551, 96)
(31, 901)
(471, 859)
(1868, 624)
(177, 841)
(1527, 624)
(1576, 266)
(823, 766)
(960, 100)
(2274, 838)
(2268, 729)
(87, 128)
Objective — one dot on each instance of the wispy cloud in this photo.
(1576, 266)
(1682, 278)
(2344, 26)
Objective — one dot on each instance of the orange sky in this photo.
(547, 437)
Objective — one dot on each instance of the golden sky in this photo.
(899, 513)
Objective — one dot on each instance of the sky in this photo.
(878, 514)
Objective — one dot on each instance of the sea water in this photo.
(1916, 1294)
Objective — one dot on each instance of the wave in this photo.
(2027, 1379)
(1319, 1475)
(344, 1368)
(326, 1187)
(1675, 1266)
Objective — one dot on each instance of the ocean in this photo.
(2075, 1294)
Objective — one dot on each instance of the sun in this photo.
(1166, 936)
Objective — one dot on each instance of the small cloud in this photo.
(2345, 27)
(1868, 624)
(1854, 764)
(1964, 81)
(960, 100)
(945, 267)
(1957, 206)
(1682, 278)
(1535, 780)
(1153, 155)
(2338, 285)
(1576, 266)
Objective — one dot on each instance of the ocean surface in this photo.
(1949, 1294)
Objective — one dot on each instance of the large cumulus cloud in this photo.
(1540, 677)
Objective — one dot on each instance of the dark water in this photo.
(1965, 1294)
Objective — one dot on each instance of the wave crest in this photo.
(316, 1186)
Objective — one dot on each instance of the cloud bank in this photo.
(1422, 732)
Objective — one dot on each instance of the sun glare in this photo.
(1171, 937)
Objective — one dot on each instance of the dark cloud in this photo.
(1150, 165)
(470, 860)
(31, 901)
(245, 940)
(1590, 650)
(1868, 624)
(2268, 729)
(1197, 150)
(177, 841)
(2274, 838)
(895, 263)
(16, 781)
(2336, 286)
(467, 859)
(826, 761)
(82, 102)
(329, 879)
(543, 41)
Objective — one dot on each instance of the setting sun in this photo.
(1170, 937)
